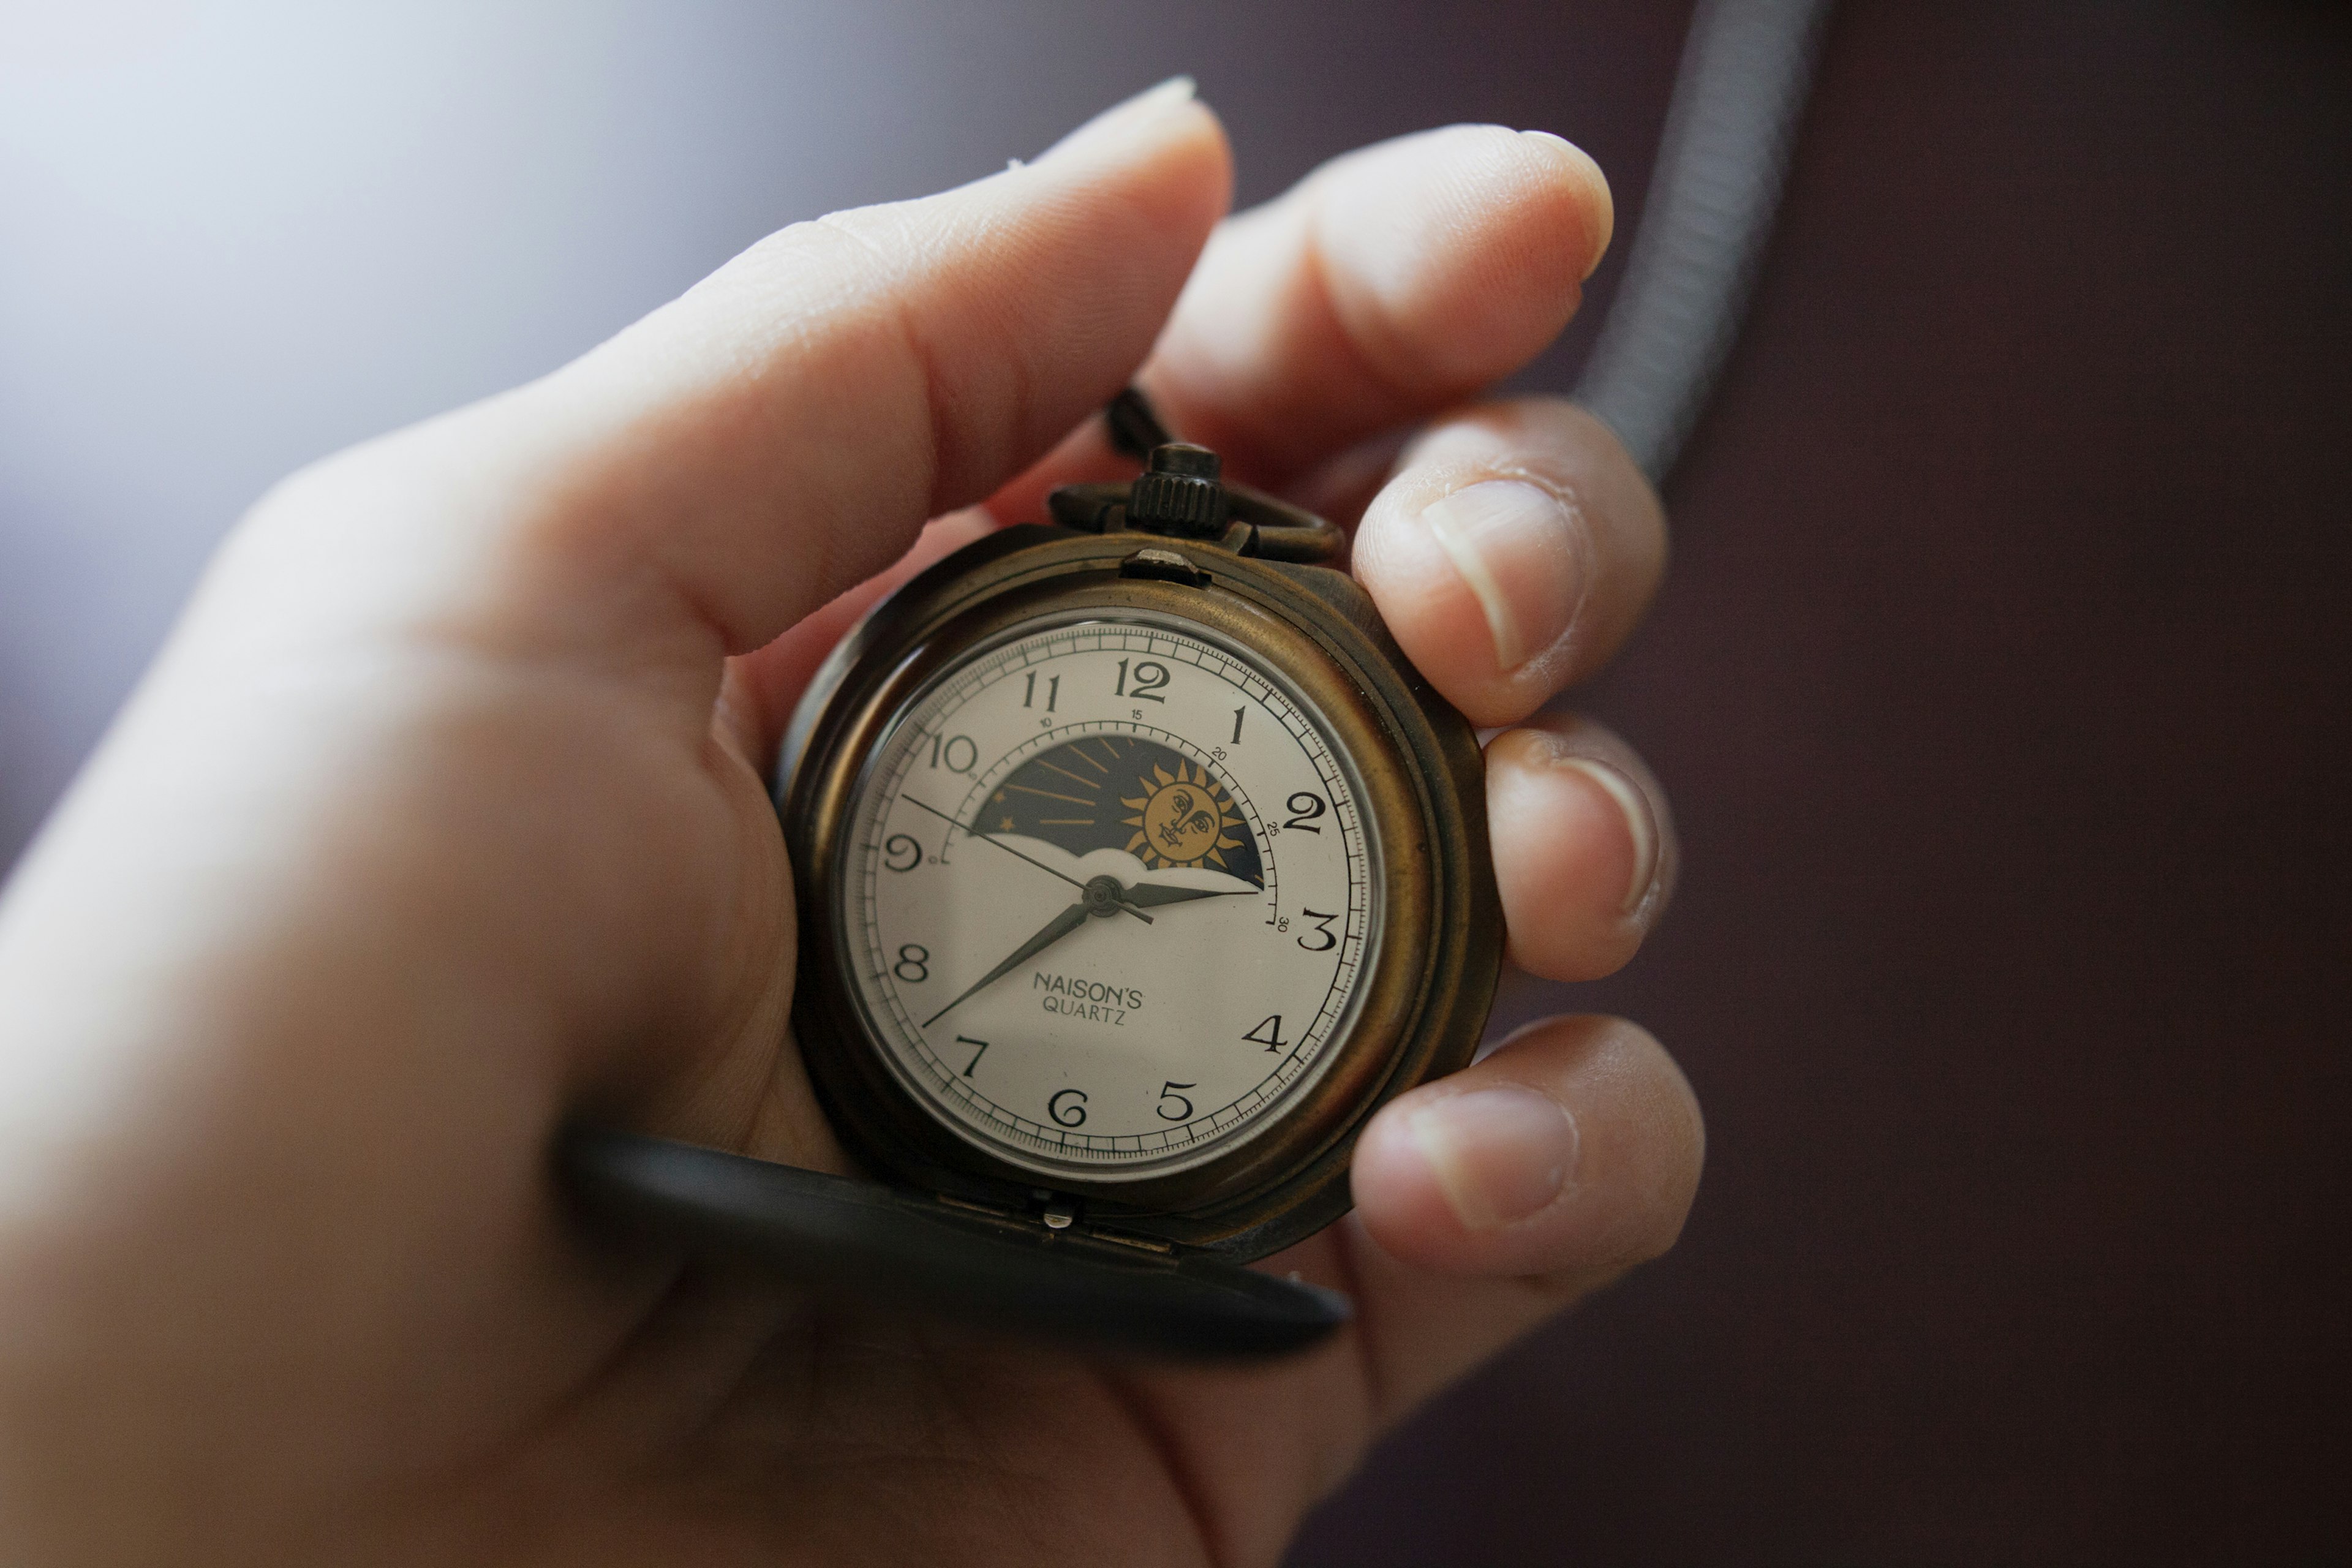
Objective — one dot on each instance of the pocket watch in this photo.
(1136, 869)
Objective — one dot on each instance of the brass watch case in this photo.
(1433, 980)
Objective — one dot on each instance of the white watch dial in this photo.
(1109, 896)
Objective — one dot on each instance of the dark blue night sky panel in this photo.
(1121, 791)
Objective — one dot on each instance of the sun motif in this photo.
(1181, 819)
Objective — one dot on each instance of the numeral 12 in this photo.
(1151, 675)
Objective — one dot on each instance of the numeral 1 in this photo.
(1237, 726)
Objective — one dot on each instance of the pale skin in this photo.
(441, 819)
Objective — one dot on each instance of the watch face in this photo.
(1109, 896)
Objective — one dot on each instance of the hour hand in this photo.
(1060, 926)
(1148, 895)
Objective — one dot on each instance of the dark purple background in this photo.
(2001, 682)
(2000, 679)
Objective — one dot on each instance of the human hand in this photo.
(441, 819)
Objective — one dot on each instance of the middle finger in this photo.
(1511, 550)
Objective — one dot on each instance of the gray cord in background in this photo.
(1729, 129)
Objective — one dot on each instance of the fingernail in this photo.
(1630, 800)
(1515, 544)
(1122, 118)
(1499, 1154)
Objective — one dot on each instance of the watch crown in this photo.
(1179, 493)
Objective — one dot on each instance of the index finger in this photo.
(1386, 286)
(1390, 283)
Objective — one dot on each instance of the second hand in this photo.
(1016, 853)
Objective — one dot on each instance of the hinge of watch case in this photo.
(1059, 1217)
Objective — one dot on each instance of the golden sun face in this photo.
(1181, 820)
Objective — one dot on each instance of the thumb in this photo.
(745, 453)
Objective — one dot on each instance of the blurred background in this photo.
(2001, 680)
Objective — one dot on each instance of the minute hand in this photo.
(1061, 925)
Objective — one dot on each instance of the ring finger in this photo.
(1512, 548)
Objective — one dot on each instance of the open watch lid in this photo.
(909, 1250)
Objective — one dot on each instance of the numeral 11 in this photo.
(1052, 691)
